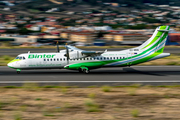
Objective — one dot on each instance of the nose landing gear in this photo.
(18, 71)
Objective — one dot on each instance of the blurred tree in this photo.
(139, 26)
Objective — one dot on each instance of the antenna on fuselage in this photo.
(57, 46)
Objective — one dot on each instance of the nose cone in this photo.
(13, 63)
(10, 64)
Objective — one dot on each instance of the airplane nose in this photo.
(10, 65)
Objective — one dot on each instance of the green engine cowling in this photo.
(89, 65)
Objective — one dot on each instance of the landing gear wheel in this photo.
(80, 70)
(18, 72)
(85, 71)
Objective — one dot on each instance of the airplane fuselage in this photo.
(59, 60)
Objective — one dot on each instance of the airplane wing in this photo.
(83, 53)
(72, 48)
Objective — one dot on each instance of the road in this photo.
(150, 75)
(15, 52)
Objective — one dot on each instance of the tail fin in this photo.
(157, 41)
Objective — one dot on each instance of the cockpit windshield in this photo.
(20, 57)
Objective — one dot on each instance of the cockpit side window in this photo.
(17, 57)
(20, 57)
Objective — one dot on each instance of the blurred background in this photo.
(86, 22)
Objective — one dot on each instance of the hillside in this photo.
(42, 6)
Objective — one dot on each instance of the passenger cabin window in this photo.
(57, 59)
(47, 59)
(44, 59)
(54, 59)
(64, 59)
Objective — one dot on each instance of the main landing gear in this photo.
(84, 70)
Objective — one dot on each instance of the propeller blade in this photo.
(57, 46)
(67, 54)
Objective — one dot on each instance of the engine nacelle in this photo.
(76, 55)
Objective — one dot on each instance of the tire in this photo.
(85, 71)
(80, 70)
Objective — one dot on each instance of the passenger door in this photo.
(129, 56)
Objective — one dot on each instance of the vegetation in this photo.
(91, 95)
(5, 59)
(91, 106)
(106, 88)
(17, 116)
(30, 86)
(132, 91)
(64, 90)
(135, 113)
(48, 103)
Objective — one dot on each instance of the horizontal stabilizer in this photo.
(164, 30)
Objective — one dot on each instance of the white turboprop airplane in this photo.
(77, 59)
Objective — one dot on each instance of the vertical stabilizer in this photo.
(157, 40)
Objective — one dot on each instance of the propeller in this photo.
(67, 54)
(57, 46)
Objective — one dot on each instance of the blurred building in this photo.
(65, 35)
(173, 39)
(82, 37)
(125, 37)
